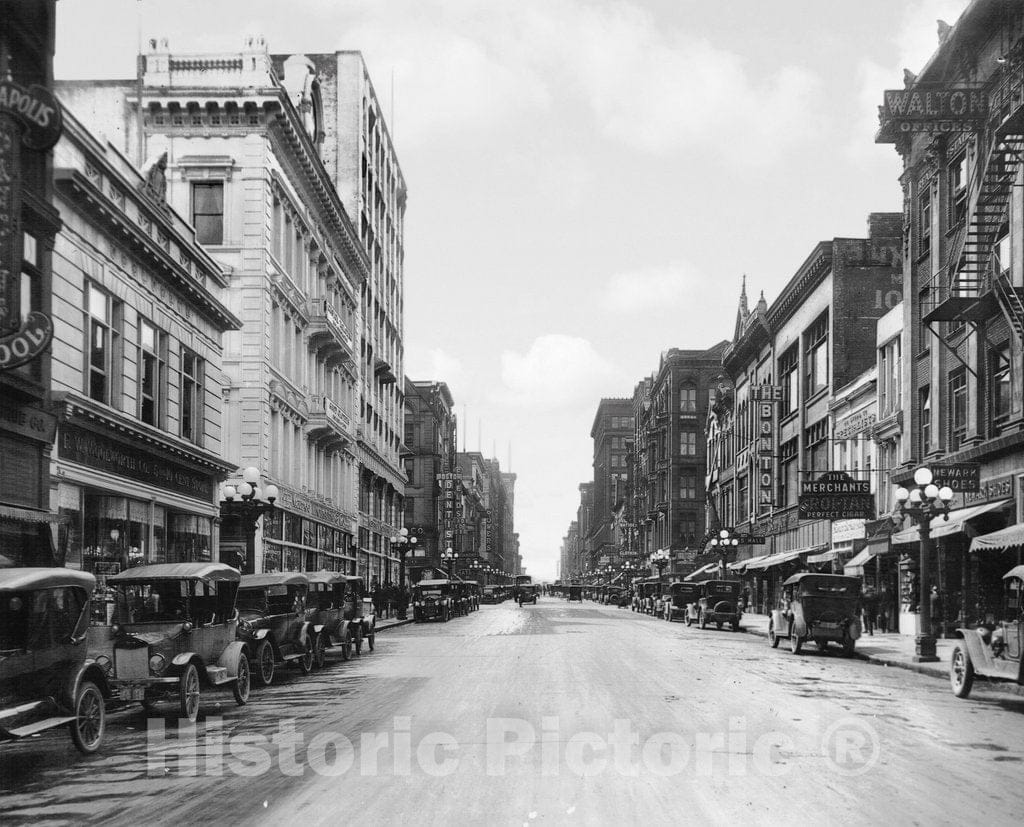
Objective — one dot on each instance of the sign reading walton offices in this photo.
(932, 108)
(31, 117)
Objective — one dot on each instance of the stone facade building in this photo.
(612, 429)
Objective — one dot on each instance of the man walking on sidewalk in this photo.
(870, 609)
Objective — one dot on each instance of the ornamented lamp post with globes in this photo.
(404, 544)
(660, 558)
(723, 542)
(449, 558)
(923, 503)
(252, 503)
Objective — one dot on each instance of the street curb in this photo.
(394, 625)
(982, 684)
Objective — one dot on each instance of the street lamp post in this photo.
(923, 503)
(449, 557)
(252, 503)
(660, 558)
(723, 542)
(404, 543)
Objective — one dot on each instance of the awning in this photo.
(782, 557)
(741, 565)
(27, 515)
(825, 556)
(941, 527)
(1005, 538)
(701, 570)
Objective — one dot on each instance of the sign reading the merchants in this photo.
(835, 495)
(31, 117)
(765, 397)
(932, 108)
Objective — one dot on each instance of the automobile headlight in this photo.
(157, 664)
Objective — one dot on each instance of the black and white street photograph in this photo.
(511, 412)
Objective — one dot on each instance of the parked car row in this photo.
(709, 602)
(496, 594)
(178, 630)
(444, 599)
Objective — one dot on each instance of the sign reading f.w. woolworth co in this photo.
(31, 117)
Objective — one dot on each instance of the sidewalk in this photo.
(892, 649)
(392, 622)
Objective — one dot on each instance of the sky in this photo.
(588, 179)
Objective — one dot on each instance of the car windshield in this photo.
(13, 621)
(839, 588)
(156, 602)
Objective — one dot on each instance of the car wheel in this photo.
(188, 693)
(240, 688)
(961, 671)
(849, 644)
(346, 646)
(90, 718)
(773, 638)
(702, 621)
(320, 651)
(264, 674)
(359, 641)
(306, 661)
(796, 643)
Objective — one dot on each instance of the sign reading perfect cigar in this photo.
(835, 495)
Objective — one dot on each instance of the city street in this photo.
(525, 715)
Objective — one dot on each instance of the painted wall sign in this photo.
(765, 397)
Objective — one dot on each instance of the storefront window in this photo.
(273, 525)
(309, 534)
(138, 532)
(292, 559)
(189, 538)
(325, 538)
(159, 554)
(271, 557)
(69, 529)
(292, 529)
(105, 534)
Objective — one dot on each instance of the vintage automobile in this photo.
(818, 607)
(491, 594)
(613, 596)
(463, 598)
(46, 678)
(273, 624)
(719, 603)
(993, 651)
(528, 594)
(174, 633)
(681, 599)
(360, 613)
(433, 600)
(325, 610)
(575, 594)
(647, 592)
(474, 595)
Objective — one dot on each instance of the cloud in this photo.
(462, 65)
(557, 372)
(657, 288)
(914, 42)
(437, 365)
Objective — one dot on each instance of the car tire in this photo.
(306, 661)
(189, 693)
(263, 675)
(961, 671)
(773, 638)
(346, 646)
(702, 621)
(320, 651)
(849, 645)
(796, 643)
(90, 718)
(240, 687)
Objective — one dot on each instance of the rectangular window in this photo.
(790, 381)
(688, 400)
(192, 368)
(152, 373)
(958, 188)
(208, 211)
(1002, 252)
(789, 479)
(924, 406)
(924, 211)
(1002, 379)
(957, 408)
(688, 443)
(816, 358)
(743, 499)
(816, 447)
(101, 346)
(688, 487)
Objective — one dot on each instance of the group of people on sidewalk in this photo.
(878, 610)
(388, 599)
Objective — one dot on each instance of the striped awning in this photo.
(942, 527)
(27, 515)
(1009, 537)
(825, 556)
(782, 557)
(693, 575)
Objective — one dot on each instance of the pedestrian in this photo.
(882, 619)
(936, 607)
(869, 606)
(378, 599)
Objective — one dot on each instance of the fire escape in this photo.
(974, 285)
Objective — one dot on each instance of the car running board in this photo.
(39, 726)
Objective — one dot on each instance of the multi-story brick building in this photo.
(433, 492)
(137, 370)
(958, 126)
(612, 429)
(242, 151)
(670, 447)
(815, 339)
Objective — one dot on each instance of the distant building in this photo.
(612, 429)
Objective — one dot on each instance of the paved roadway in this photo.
(560, 714)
